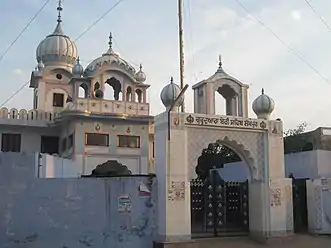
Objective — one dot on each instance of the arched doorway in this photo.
(219, 194)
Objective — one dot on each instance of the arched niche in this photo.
(230, 92)
(139, 95)
(235, 145)
(83, 90)
(243, 154)
(97, 86)
(129, 96)
(113, 89)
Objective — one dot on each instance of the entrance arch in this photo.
(224, 159)
(248, 144)
(219, 205)
(242, 152)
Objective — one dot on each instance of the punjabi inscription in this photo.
(222, 121)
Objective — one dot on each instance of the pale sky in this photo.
(146, 32)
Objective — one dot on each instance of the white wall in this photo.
(56, 167)
(319, 206)
(73, 213)
(310, 164)
(237, 171)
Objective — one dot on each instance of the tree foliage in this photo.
(294, 141)
(301, 128)
(213, 157)
(110, 168)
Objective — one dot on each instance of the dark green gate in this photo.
(219, 208)
(300, 213)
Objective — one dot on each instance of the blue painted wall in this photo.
(70, 213)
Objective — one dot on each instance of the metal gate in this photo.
(219, 208)
(300, 213)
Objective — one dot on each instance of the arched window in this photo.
(128, 94)
(83, 91)
(229, 104)
(97, 86)
(139, 94)
(113, 90)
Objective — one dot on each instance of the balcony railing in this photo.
(23, 116)
(112, 107)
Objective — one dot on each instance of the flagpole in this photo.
(181, 48)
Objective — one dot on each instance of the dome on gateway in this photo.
(57, 48)
(110, 58)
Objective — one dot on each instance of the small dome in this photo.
(78, 69)
(169, 94)
(57, 47)
(40, 65)
(110, 58)
(263, 106)
(140, 75)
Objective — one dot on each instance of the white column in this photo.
(196, 100)
(174, 208)
(144, 96)
(235, 106)
(229, 106)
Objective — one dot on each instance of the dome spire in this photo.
(59, 9)
(220, 69)
(110, 43)
(58, 29)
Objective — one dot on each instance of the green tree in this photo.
(213, 157)
(299, 129)
(295, 141)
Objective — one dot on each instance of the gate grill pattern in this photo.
(219, 208)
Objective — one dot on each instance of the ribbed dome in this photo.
(110, 58)
(169, 94)
(263, 106)
(57, 48)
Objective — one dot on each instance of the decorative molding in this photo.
(225, 121)
(243, 153)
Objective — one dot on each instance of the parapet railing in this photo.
(28, 115)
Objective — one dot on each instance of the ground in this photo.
(297, 241)
(302, 241)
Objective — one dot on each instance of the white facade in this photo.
(88, 128)
(258, 142)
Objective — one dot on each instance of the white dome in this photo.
(263, 106)
(169, 94)
(140, 75)
(40, 66)
(57, 48)
(110, 58)
(78, 69)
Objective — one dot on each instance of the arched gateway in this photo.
(179, 140)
